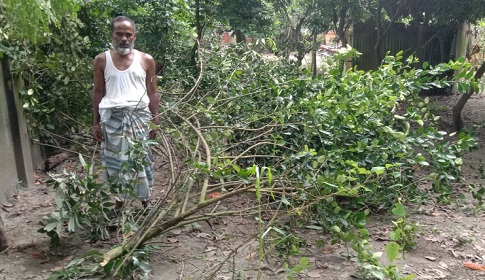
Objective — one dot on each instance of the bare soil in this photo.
(449, 237)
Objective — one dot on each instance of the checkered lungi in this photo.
(120, 126)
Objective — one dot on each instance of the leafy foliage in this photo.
(57, 75)
(85, 202)
(163, 27)
(341, 133)
(339, 145)
(30, 20)
(244, 16)
(82, 203)
(443, 12)
(335, 146)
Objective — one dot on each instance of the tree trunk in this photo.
(301, 51)
(460, 46)
(341, 30)
(56, 159)
(314, 55)
(419, 49)
(442, 49)
(240, 38)
(199, 28)
(341, 34)
(457, 121)
(380, 34)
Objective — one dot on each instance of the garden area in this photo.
(266, 165)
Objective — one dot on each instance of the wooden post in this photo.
(3, 238)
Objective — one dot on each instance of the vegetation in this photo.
(326, 149)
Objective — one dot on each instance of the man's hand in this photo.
(154, 125)
(97, 133)
(152, 134)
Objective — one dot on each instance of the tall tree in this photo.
(300, 22)
(384, 14)
(31, 19)
(244, 16)
(204, 13)
(345, 13)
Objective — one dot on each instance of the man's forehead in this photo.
(123, 25)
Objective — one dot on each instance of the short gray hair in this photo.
(121, 18)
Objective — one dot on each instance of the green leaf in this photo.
(285, 201)
(392, 251)
(50, 227)
(71, 226)
(81, 160)
(376, 255)
(394, 235)
(378, 169)
(211, 100)
(145, 266)
(314, 227)
(423, 163)
(399, 210)
(270, 175)
(304, 262)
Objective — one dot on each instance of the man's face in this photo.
(123, 37)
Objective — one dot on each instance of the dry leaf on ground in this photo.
(474, 266)
(172, 240)
(214, 194)
(314, 274)
(251, 255)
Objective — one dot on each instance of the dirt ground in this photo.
(449, 237)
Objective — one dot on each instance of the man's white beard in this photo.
(124, 50)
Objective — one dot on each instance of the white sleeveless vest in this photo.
(125, 89)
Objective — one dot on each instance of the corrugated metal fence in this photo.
(419, 40)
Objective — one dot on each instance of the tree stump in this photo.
(3, 237)
(55, 160)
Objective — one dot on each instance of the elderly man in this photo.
(125, 98)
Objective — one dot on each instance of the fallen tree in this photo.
(325, 148)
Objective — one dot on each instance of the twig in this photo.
(252, 147)
(246, 128)
(203, 192)
(141, 236)
(218, 266)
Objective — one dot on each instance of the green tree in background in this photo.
(300, 21)
(31, 20)
(245, 16)
(345, 13)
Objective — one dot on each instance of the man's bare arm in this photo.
(98, 94)
(152, 90)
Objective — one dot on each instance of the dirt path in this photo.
(449, 236)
